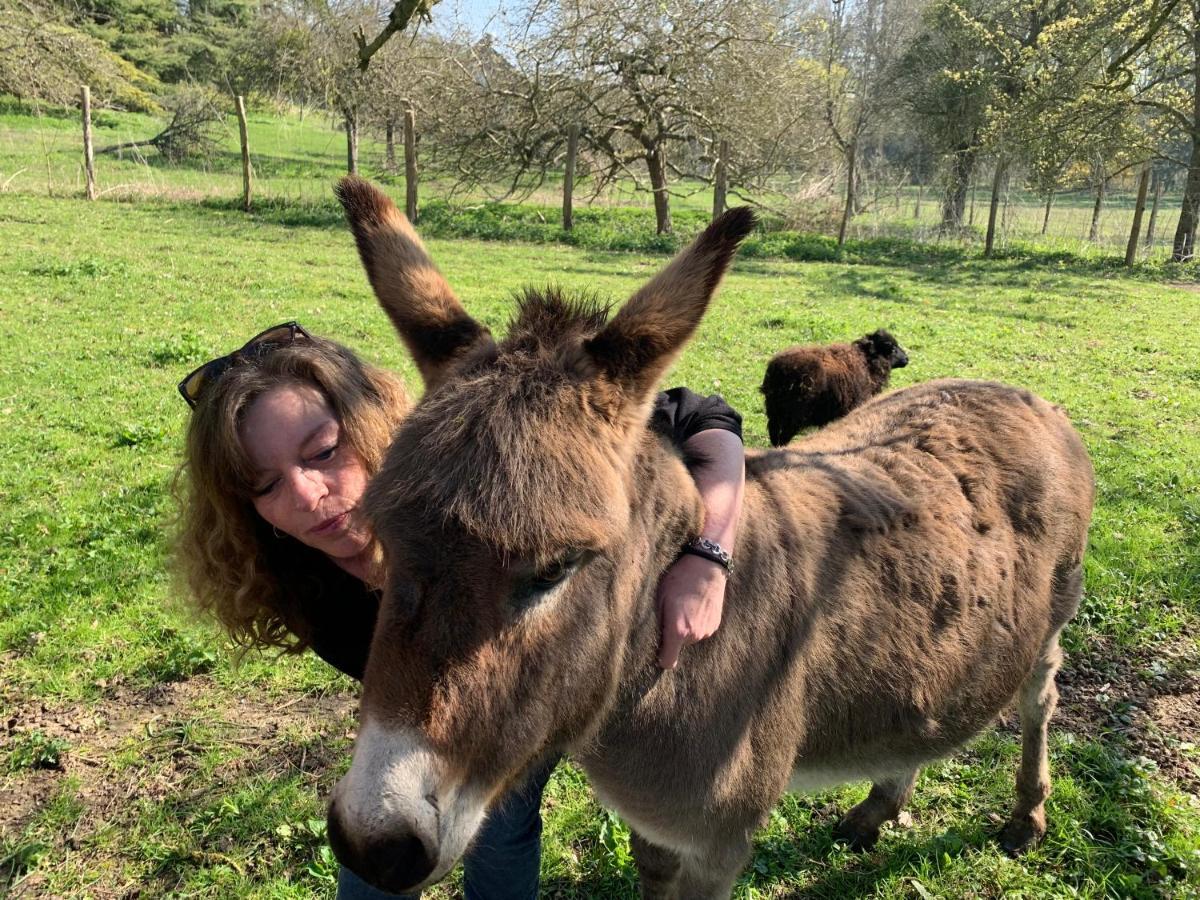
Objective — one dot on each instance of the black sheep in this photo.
(814, 385)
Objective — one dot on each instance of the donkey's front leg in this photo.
(860, 827)
(710, 873)
(658, 869)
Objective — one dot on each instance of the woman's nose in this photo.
(308, 489)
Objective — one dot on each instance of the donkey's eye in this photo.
(543, 580)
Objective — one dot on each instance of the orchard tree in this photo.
(652, 85)
(308, 48)
(864, 41)
(1168, 75)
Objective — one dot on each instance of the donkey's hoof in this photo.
(858, 838)
(1021, 834)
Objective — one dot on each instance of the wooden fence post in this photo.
(568, 213)
(1158, 189)
(1136, 231)
(89, 160)
(350, 117)
(243, 134)
(997, 184)
(721, 179)
(410, 163)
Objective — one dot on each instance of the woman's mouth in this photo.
(331, 525)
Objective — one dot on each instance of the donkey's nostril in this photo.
(393, 862)
(398, 862)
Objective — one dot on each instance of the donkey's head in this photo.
(516, 537)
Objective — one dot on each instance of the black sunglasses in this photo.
(264, 342)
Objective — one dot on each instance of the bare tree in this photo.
(652, 86)
(398, 20)
(865, 40)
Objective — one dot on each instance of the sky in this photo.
(472, 13)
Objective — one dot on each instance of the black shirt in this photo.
(341, 612)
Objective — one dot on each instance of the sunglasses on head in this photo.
(262, 343)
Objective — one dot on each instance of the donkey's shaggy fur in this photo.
(817, 384)
(903, 574)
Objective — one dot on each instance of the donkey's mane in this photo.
(513, 410)
(547, 320)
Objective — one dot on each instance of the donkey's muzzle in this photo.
(396, 861)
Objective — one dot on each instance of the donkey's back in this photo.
(904, 574)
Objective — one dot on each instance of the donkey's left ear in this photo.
(640, 342)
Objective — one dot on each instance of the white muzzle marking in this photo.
(396, 778)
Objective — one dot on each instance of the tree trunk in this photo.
(656, 161)
(1135, 231)
(971, 214)
(410, 164)
(390, 158)
(962, 165)
(1094, 230)
(997, 182)
(568, 212)
(721, 179)
(1184, 246)
(243, 137)
(1158, 189)
(351, 123)
(848, 209)
(1046, 214)
(89, 158)
(920, 194)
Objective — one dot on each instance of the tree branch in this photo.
(398, 20)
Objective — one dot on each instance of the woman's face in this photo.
(308, 480)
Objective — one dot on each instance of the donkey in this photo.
(900, 577)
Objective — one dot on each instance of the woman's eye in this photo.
(326, 454)
(265, 489)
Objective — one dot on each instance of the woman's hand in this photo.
(691, 595)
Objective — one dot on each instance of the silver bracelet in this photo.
(710, 550)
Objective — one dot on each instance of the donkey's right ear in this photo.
(430, 319)
(649, 331)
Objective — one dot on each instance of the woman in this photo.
(284, 435)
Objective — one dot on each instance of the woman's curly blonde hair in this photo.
(235, 568)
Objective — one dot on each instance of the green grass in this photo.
(106, 305)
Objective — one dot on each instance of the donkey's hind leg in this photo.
(658, 869)
(1036, 701)
(860, 827)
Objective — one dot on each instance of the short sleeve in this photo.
(680, 413)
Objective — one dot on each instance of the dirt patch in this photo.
(1151, 702)
(145, 744)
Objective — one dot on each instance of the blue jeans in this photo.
(502, 863)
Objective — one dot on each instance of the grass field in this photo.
(137, 757)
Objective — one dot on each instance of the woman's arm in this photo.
(691, 594)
